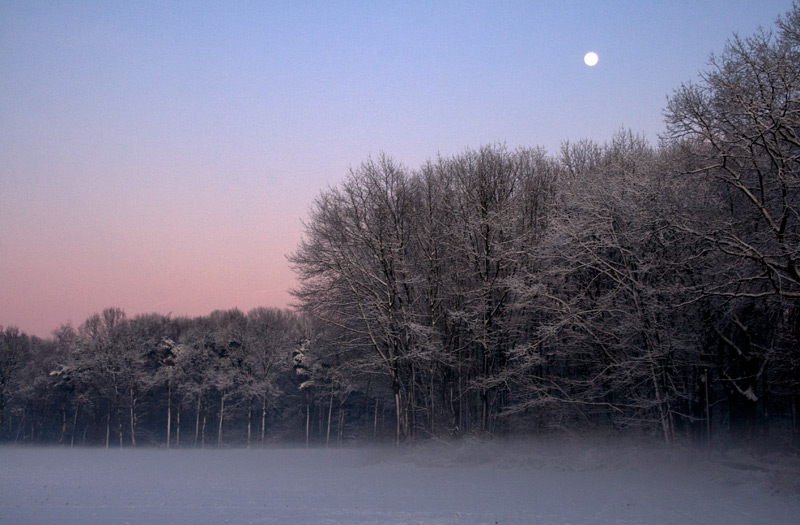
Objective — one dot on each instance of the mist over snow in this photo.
(469, 482)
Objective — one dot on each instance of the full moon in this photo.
(590, 58)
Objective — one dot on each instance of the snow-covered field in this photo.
(530, 482)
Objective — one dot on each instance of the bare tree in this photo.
(741, 126)
(739, 129)
(98, 364)
(14, 350)
(497, 216)
(271, 336)
(613, 273)
(354, 267)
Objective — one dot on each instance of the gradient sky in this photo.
(161, 156)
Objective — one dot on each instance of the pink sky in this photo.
(160, 156)
(185, 247)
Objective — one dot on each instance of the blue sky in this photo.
(160, 156)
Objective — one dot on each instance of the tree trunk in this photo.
(485, 393)
(133, 400)
(340, 433)
(662, 415)
(63, 424)
(412, 404)
(118, 410)
(203, 431)
(708, 411)
(398, 408)
(461, 416)
(375, 421)
(432, 418)
(119, 427)
(169, 412)
(221, 417)
(197, 422)
(108, 426)
(308, 422)
(74, 426)
(795, 430)
(330, 413)
(249, 424)
(263, 418)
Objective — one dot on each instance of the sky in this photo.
(161, 156)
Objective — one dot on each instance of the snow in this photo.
(469, 482)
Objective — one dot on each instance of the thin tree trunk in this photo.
(308, 422)
(795, 432)
(203, 431)
(399, 411)
(108, 426)
(169, 412)
(398, 406)
(178, 425)
(249, 424)
(74, 426)
(221, 417)
(461, 422)
(412, 403)
(63, 425)
(708, 412)
(375, 421)
(321, 422)
(330, 413)
(133, 400)
(432, 421)
(197, 422)
(341, 423)
(118, 410)
(455, 413)
(485, 395)
(263, 418)
(661, 414)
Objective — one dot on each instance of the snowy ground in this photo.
(531, 482)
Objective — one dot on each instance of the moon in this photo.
(590, 58)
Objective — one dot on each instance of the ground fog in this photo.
(469, 482)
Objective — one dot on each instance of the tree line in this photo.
(608, 286)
